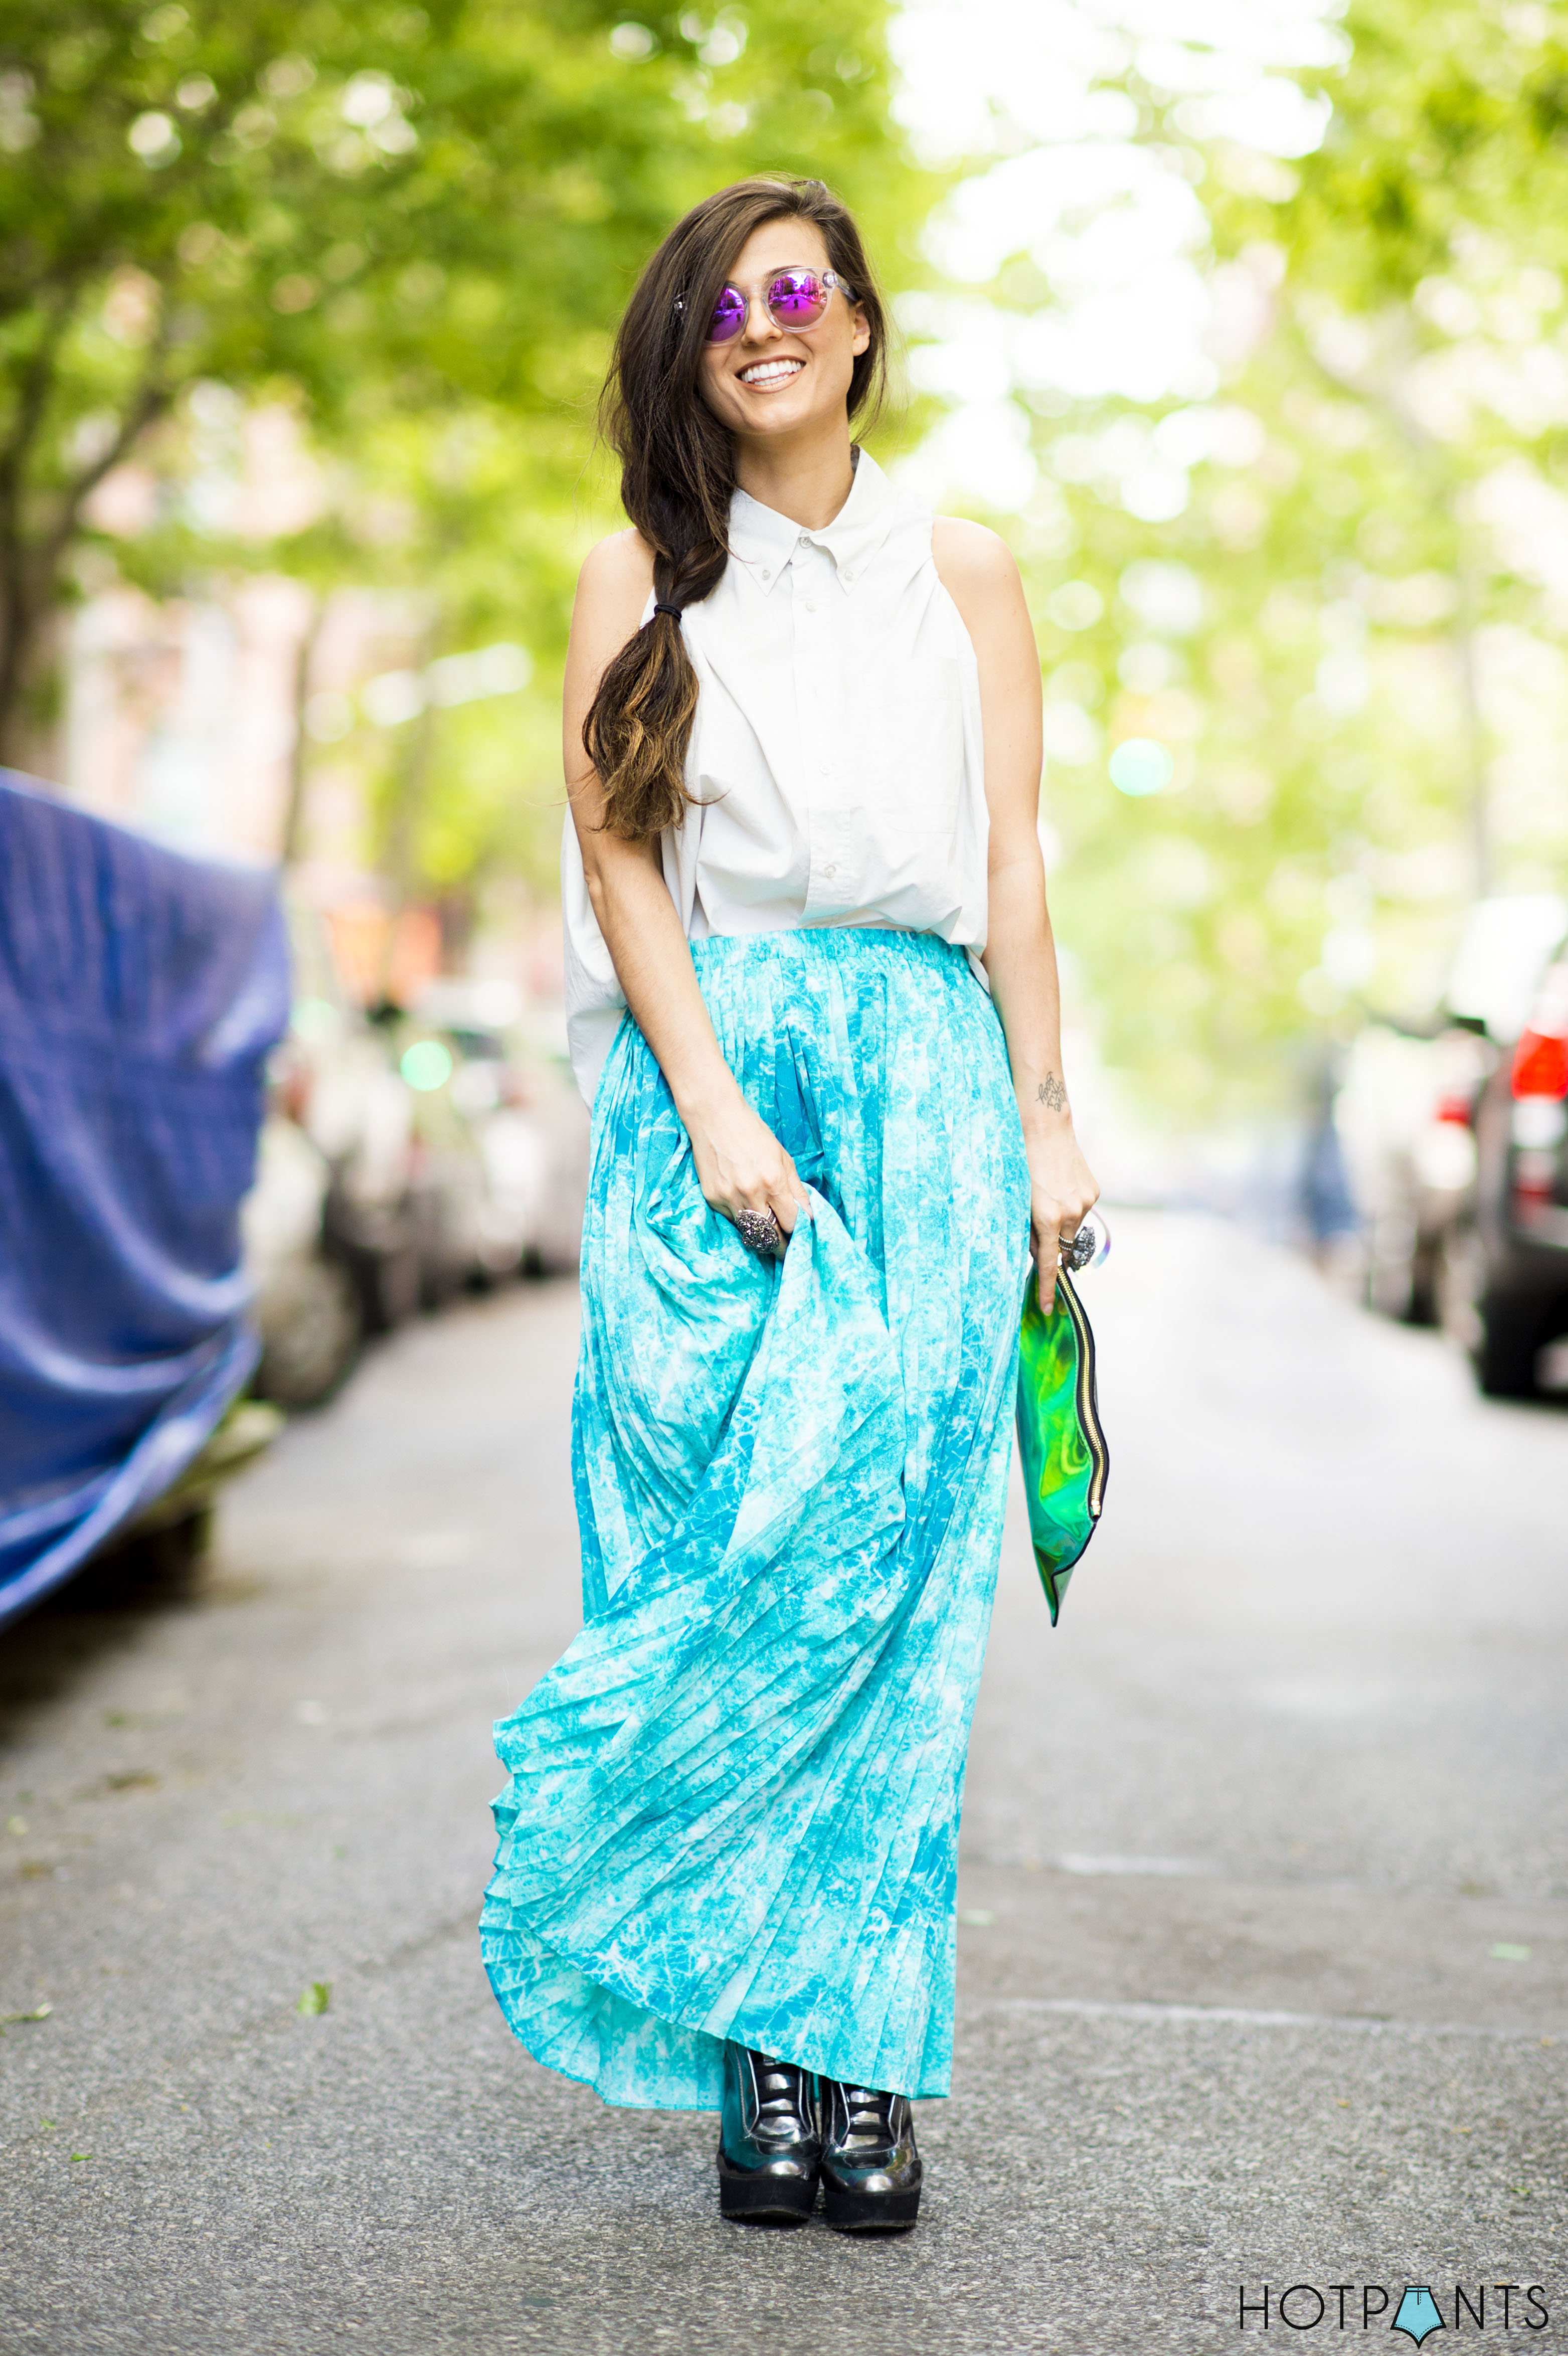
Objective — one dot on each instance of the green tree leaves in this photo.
(415, 225)
(1359, 707)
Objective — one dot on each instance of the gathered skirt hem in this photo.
(617, 2065)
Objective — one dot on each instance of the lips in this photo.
(765, 375)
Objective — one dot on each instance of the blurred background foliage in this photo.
(1316, 620)
(416, 229)
(1301, 593)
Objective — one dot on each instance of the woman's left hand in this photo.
(1063, 1187)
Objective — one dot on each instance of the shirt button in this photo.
(805, 541)
(848, 575)
(811, 604)
(766, 574)
(830, 871)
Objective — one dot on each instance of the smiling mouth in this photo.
(768, 375)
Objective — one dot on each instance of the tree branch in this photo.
(28, 575)
(152, 397)
(37, 381)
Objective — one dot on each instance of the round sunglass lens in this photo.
(729, 317)
(797, 298)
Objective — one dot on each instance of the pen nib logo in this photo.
(1418, 2315)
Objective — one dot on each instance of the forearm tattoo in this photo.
(1050, 1092)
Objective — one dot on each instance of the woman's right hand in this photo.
(741, 1165)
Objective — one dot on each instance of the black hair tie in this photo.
(669, 609)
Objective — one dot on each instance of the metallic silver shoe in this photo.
(870, 2168)
(770, 2144)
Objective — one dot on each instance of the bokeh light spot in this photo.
(1139, 765)
(1076, 605)
(426, 1064)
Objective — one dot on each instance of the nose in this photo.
(760, 325)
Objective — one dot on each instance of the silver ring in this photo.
(760, 1230)
(1088, 1246)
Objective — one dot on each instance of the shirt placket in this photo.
(817, 659)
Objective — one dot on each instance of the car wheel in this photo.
(1459, 1284)
(1510, 1339)
(391, 1287)
(1391, 1274)
(312, 1329)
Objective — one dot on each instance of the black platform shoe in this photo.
(770, 2146)
(870, 2168)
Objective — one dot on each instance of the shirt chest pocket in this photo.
(912, 738)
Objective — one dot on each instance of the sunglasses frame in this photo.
(827, 279)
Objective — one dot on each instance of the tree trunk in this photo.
(25, 604)
(294, 815)
(1474, 727)
(14, 637)
(33, 559)
(407, 803)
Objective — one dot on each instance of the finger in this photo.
(785, 1199)
(764, 1195)
(1047, 1260)
(788, 1204)
(788, 1210)
(1055, 1223)
(781, 1201)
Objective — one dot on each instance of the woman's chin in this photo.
(769, 414)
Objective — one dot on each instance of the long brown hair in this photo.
(678, 472)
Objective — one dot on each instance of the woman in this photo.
(802, 745)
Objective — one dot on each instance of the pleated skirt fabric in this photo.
(732, 1808)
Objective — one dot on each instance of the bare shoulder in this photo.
(615, 567)
(979, 572)
(971, 560)
(612, 590)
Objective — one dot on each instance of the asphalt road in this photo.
(1263, 1918)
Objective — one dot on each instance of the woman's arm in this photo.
(741, 1165)
(977, 569)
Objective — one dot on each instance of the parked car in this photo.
(1503, 1264)
(1403, 1114)
(141, 993)
(449, 1184)
(163, 1549)
(1410, 1095)
(307, 1304)
(335, 1079)
(405, 1156)
(330, 1226)
(527, 1122)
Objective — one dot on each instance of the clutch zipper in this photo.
(1087, 1399)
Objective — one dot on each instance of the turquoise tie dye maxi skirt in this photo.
(732, 1806)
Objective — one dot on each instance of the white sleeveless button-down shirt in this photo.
(836, 753)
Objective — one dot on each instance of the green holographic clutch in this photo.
(1061, 1447)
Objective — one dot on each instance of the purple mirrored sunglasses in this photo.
(793, 299)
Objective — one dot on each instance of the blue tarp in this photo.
(139, 993)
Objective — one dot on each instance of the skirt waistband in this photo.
(826, 944)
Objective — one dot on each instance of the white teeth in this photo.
(770, 372)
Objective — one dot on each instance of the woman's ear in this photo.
(862, 332)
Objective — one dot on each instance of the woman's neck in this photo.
(807, 481)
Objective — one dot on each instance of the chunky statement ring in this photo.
(1088, 1247)
(760, 1230)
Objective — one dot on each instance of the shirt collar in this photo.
(765, 542)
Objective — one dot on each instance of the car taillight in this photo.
(1539, 1065)
(1534, 1184)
